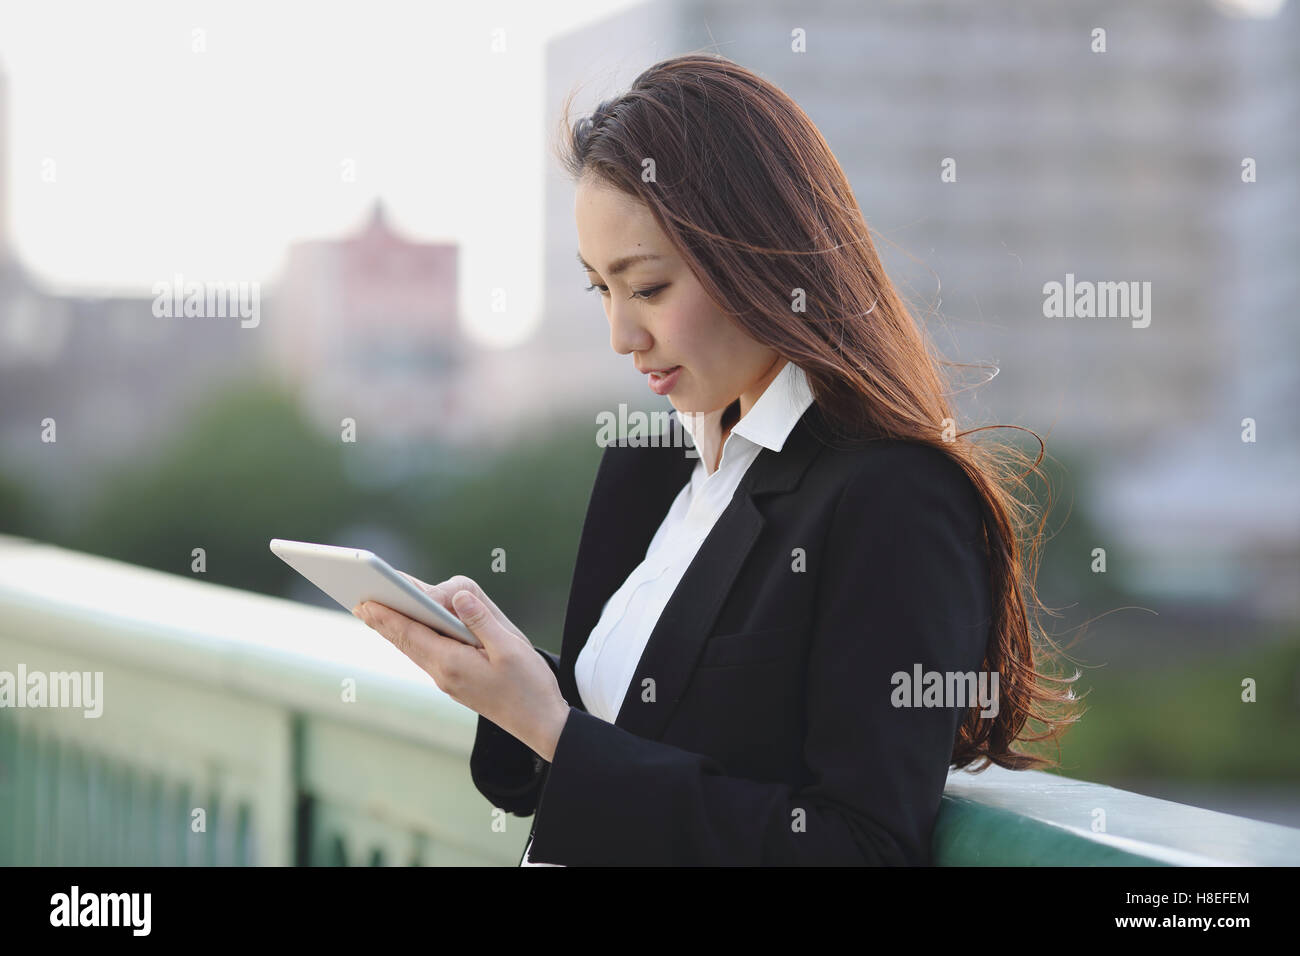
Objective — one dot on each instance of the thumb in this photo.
(475, 616)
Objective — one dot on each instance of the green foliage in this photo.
(17, 509)
(1188, 721)
(530, 503)
(245, 468)
(1065, 577)
(248, 467)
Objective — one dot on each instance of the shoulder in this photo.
(645, 447)
(899, 480)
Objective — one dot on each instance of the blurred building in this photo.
(363, 327)
(367, 327)
(111, 375)
(5, 248)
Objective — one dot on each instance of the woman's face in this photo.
(658, 311)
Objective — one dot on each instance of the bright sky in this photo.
(158, 137)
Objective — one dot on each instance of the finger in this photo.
(433, 652)
(444, 592)
(460, 582)
(480, 620)
(436, 591)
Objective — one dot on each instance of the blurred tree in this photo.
(1066, 580)
(247, 467)
(18, 514)
(514, 528)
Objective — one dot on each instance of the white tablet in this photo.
(353, 575)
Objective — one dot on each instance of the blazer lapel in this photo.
(687, 620)
(632, 493)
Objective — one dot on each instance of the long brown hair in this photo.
(752, 197)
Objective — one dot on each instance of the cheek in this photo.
(678, 332)
(697, 333)
(722, 352)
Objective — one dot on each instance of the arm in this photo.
(505, 770)
(903, 580)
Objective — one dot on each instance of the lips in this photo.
(662, 381)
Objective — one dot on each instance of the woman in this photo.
(771, 651)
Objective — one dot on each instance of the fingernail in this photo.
(465, 602)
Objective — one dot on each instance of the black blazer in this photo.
(758, 727)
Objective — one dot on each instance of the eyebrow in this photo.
(621, 265)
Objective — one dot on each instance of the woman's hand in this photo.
(506, 680)
(443, 593)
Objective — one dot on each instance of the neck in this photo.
(730, 416)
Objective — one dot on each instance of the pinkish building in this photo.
(367, 327)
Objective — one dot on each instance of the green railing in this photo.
(240, 729)
(1028, 818)
(236, 728)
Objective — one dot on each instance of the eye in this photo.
(642, 294)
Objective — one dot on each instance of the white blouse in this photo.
(609, 658)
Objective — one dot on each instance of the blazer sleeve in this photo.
(903, 581)
(504, 769)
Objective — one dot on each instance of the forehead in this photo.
(611, 223)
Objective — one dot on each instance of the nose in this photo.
(626, 333)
